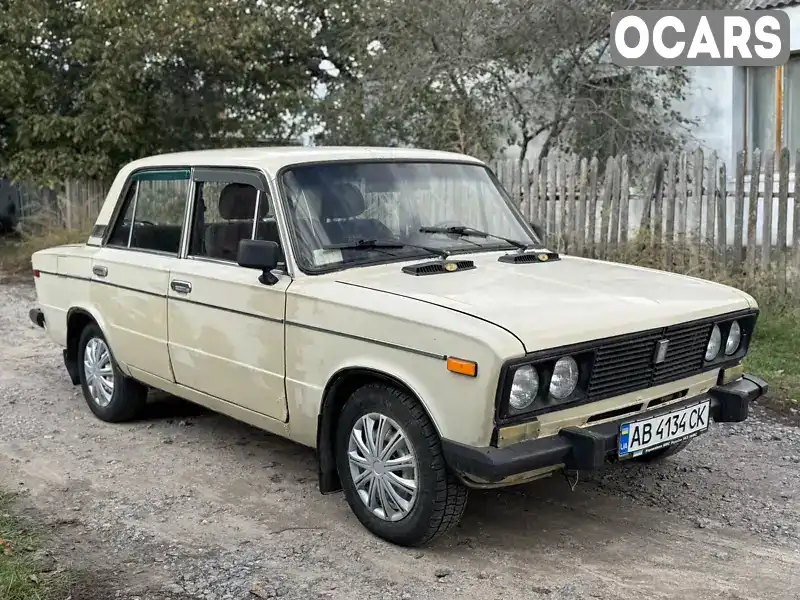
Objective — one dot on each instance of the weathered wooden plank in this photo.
(722, 218)
(766, 225)
(681, 207)
(591, 214)
(658, 199)
(563, 203)
(525, 190)
(533, 191)
(572, 206)
(695, 215)
(752, 210)
(796, 219)
(552, 204)
(542, 183)
(605, 206)
(624, 200)
(615, 203)
(581, 203)
(738, 219)
(783, 214)
(669, 204)
(711, 203)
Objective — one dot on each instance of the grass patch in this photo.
(21, 578)
(773, 355)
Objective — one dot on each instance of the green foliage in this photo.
(86, 87)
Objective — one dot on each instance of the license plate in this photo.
(650, 434)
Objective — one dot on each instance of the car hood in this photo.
(561, 302)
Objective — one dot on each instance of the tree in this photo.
(476, 75)
(88, 86)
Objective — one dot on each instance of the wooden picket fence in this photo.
(688, 210)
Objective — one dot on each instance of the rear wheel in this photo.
(392, 470)
(662, 453)
(111, 395)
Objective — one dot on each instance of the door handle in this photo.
(100, 270)
(182, 287)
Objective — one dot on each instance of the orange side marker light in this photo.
(462, 367)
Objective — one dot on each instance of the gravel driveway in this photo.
(188, 504)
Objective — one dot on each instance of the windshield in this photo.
(342, 204)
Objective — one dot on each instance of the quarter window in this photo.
(152, 217)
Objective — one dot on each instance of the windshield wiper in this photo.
(462, 230)
(379, 245)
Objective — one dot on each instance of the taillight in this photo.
(36, 272)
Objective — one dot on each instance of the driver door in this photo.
(226, 329)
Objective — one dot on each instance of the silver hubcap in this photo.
(383, 467)
(99, 372)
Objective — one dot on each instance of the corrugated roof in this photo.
(756, 4)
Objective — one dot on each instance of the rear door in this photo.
(226, 329)
(131, 271)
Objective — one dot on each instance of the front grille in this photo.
(628, 365)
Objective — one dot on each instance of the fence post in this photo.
(541, 214)
(563, 203)
(796, 219)
(783, 210)
(738, 223)
(582, 205)
(669, 226)
(766, 226)
(752, 211)
(711, 203)
(722, 217)
(605, 207)
(682, 208)
(552, 191)
(591, 215)
(697, 209)
(68, 204)
(624, 199)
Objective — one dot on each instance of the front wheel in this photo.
(392, 470)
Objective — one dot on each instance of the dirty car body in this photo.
(393, 310)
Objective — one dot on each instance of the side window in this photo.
(225, 214)
(153, 213)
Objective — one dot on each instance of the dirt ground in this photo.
(187, 504)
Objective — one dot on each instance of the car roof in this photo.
(274, 158)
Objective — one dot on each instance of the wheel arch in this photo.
(338, 390)
(78, 317)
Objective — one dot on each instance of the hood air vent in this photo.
(436, 267)
(530, 256)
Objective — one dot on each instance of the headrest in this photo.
(238, 201)
(343, 201)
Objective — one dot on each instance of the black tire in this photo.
(129, 396)
(662, 453)
(441, 498)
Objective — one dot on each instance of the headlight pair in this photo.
(537, 385)
(732, 336)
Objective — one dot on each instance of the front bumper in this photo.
(588, 448)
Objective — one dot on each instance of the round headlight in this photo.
(714, 343)
(565, 378)
(734, 338)
(524, 388)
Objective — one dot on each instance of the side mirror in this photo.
(539, 231)
(259, 254)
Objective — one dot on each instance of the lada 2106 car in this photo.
(392, 309)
